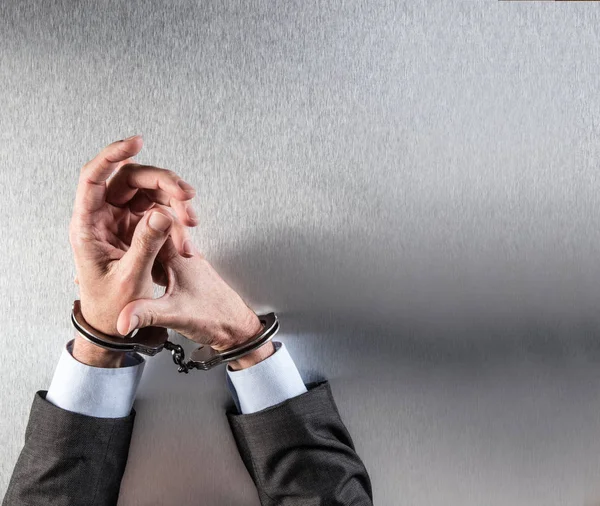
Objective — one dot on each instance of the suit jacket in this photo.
(297, 453)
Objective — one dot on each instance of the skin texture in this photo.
(198, 304)
(128, 230)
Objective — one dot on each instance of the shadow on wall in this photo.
(352, 311)
(362, 296)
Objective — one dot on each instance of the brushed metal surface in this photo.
(411, 186)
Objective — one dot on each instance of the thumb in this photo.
(148, 238)
(145, 313)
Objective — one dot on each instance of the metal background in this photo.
(411, 186)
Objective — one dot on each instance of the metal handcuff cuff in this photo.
(151, 340)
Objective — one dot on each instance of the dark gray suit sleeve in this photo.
(69, 459)
(300, 453)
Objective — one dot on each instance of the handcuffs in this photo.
(151, 340)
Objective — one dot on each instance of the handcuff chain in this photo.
(179, 357)
(155, 339)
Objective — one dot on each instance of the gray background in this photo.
(412, 187)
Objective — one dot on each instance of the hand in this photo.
(198, 304)
(116, 233)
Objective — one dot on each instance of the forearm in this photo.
(69, 459)
(93, 391)
(253, 358)
(299, 452)
(85, 417)
(92, 355)
(293, 441)
(82, 384)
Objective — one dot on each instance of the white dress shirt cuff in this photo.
(95, 391)
(274, 380)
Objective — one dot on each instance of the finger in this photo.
(184, 209)
(119, 165)
(145, 199)
(162, 312)
(146, 313)
(154, 312)
(181, 236)
(179, 232)
(91, 190)
(140, 203)
(125, 162)
(148, 238)
(167, 255)
(131, 177)
(181, 239)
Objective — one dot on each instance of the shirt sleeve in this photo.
(95, 391)
(274, 380)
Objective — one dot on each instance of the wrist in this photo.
(95, 356)
(254, 357)
(96, 316)
(233, 334)
(250, 327)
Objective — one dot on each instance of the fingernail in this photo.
(134, 321)
(188, 249)
(129, 138)
(191, 213)
(159, 222)
(185, 186)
